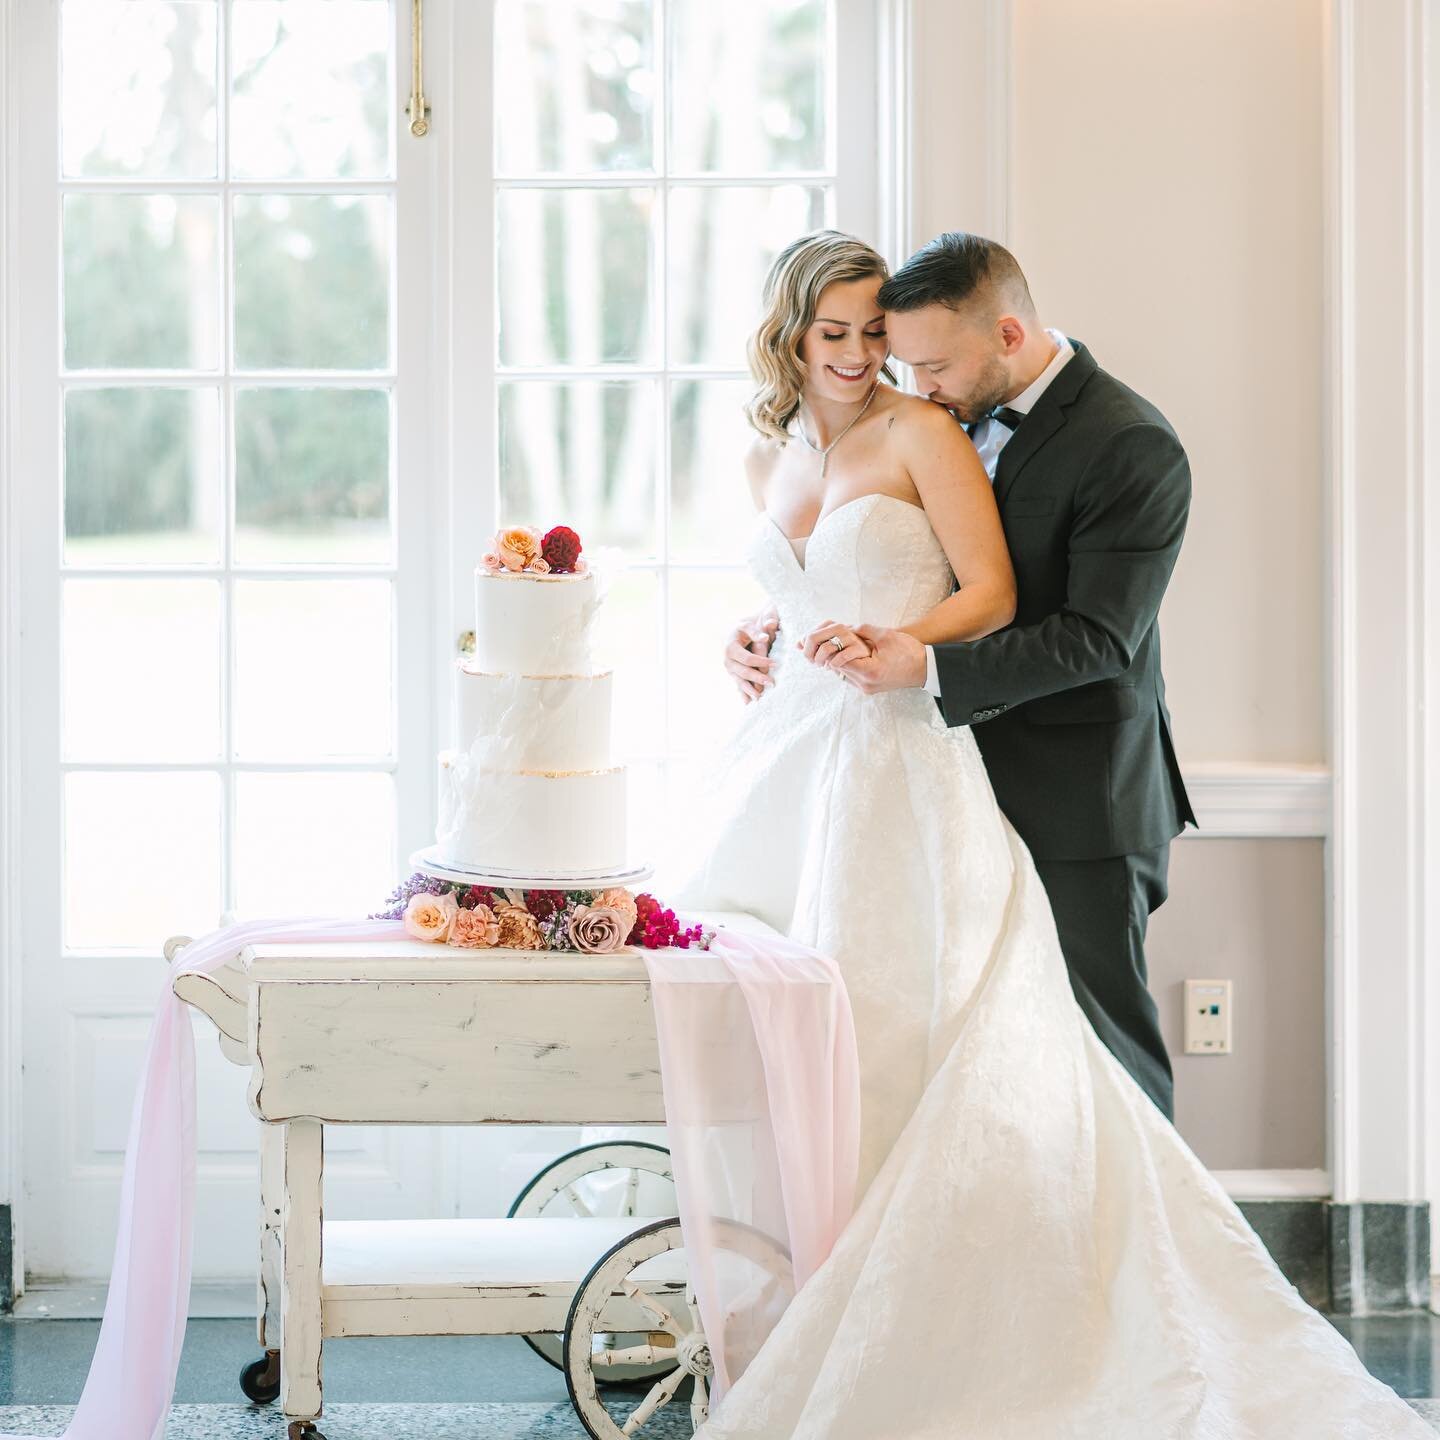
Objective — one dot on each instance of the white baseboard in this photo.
(1275, 1184)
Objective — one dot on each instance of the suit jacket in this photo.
(1068, 702)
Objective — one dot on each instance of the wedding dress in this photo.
(1036, 1254)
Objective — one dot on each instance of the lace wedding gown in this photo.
(1036, 1253)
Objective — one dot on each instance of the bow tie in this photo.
(1009, 418)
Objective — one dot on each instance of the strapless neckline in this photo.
(790, 540)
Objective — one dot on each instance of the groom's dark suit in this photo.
(1068, 702)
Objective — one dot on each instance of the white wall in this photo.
(1220, 200)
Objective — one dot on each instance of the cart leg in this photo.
(272, 1200)
(300, 1317)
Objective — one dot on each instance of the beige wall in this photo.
(1249, 911)
(1165, 198)
(1166, 204)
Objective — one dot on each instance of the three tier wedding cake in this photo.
(531, 789)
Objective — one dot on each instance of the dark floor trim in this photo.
(1365, 1259)
(7, 1261)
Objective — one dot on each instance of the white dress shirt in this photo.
(989, 438)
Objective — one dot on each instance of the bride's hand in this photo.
(820, 649)
(896, 662)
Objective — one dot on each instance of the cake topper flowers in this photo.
(522, 548)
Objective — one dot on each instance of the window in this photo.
(650, 159)
(226, 398)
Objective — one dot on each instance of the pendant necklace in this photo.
(825, 453)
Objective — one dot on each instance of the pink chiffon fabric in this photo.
(782, 1031)
(762, 1112)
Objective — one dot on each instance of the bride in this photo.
(1035, 1253)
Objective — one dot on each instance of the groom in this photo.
(1067, 702)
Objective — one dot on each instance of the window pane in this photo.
(312, 669)
(311, 96)
(312, 476)
(574, 86)
(629, 644)
(313, 844)
(142, 669)
(120, 248)
(574, 270)
(711, 512)
(142, 859)
(312, 282)
(704, 703)
(142, 476)
(749, 83)
(721, 244)
(138, 88)
(581, 455)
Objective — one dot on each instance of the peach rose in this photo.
(597, 930)
(517, 546)
(622, 900)
(429, 917)
(519, 929)
(476, 929)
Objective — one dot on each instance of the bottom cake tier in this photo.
(541, 822)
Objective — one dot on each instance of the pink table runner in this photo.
(761, 1085)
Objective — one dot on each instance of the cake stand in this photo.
(428, 862)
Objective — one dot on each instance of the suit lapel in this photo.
(1044, 420)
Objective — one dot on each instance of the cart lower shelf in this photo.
(475, 1277)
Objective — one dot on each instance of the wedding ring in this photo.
(837, 642)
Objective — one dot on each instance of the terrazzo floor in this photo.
(458, 1387)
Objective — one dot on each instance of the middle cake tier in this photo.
(534, 722)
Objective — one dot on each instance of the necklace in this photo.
(825, 453)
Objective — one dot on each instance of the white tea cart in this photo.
(407, 1033)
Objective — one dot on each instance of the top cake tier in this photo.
(529, 624)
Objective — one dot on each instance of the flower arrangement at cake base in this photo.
(589, 922)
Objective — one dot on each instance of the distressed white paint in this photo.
(411, 1033)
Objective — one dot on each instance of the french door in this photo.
(286, 367)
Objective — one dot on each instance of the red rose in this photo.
(561, 548)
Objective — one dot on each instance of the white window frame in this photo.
(855, 88)
(444, 358)
(84, 981)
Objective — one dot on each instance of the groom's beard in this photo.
(990, 388)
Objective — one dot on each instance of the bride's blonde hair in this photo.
(792, 290)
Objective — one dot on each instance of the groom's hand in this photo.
(896, 661)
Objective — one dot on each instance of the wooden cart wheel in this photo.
(260, 1379)
(560, 1190)
(677, 1332)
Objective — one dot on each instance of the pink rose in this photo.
(540, 565)
(476, 929)
(429, 917)
(491, 562)
(597, 930)
(621, 900)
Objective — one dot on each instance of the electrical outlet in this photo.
(1209, 1011)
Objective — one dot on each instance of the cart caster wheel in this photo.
(303, 1430)
(260, 1379)
(561, 1190)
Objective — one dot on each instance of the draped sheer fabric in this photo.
(794, 994)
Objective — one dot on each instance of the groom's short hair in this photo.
(958, 269)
